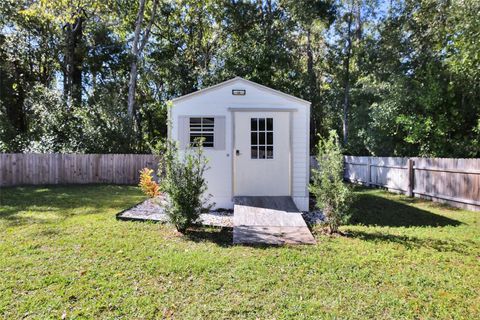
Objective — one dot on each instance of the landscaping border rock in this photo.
(152, 210)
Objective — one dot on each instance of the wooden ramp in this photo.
(269, 220)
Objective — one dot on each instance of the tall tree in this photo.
(73, 57)
(346, 52)
(346, 66)
(312, 19)
(138, 45)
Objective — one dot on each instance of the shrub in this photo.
(332, 195)
(183, 183)
(148, 186)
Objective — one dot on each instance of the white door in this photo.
(262, 154)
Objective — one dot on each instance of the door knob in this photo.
(237, 152)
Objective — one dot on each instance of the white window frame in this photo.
(265, 144)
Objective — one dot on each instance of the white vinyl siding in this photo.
(183, 130)
(300, 170)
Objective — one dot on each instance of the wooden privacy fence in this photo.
(453, 181)
(39, 169)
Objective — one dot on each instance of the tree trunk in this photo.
(73, 62)
(358, 18)
(132, 85)
(137, 49)
(77, 65)
(346, 97)
(67, 57)
(346, 103)
(315, 118)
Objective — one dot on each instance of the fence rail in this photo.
(41, 169)
(452, 181)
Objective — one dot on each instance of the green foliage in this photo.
(5, 130)
(410, 91)
(332, 195)
(412, 81)
(182, 180)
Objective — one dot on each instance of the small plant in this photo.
(183, 183)
(148, 186)
(332, 195)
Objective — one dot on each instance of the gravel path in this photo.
(152, 210)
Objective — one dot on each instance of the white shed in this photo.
(256, 139)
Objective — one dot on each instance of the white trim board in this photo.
(262, 109)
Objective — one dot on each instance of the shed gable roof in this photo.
(240, 80)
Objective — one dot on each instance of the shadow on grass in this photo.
(222, 237)
(460, 247)
(53, 203)
(370, 208)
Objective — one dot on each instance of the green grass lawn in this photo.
(62, 253)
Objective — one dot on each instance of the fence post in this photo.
(411, 177)
(369, 171)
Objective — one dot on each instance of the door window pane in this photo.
(270, 138)
(254, 151)
(261, 138)
(253, 124)
(261, 124)
(269, 124)
(261, 152)
(269, 152)
(254, 138)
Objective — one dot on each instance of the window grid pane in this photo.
(202, 128)
(261, 138)
(253, 124)
(261, 124)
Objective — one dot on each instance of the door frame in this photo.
(233, 111)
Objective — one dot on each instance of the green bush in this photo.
(183, 183)
(333, 196)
